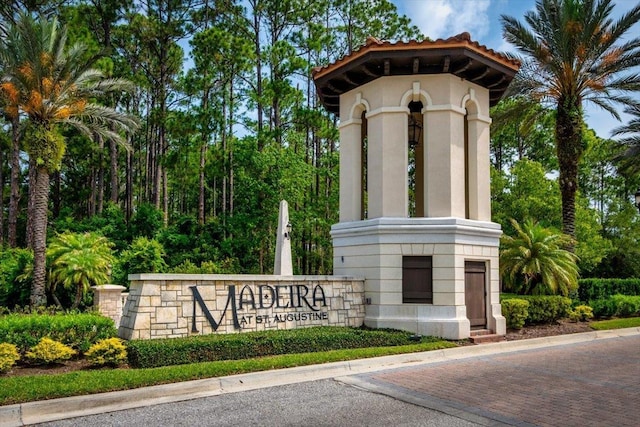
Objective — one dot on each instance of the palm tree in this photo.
(78, 261)
(54, 87)
(575, 53)
(534, 261)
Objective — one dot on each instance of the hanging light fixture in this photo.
(415, 130)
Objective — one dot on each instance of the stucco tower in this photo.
(415, 207)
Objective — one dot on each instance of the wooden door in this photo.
(474, 280)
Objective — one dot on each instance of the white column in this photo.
(445, 169)
(387, 163)
(479, 168)
(350, 170)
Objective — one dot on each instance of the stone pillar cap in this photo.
(109, 287)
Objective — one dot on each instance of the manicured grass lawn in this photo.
(627, 322)
(21, 389)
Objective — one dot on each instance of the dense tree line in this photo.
(227, 123)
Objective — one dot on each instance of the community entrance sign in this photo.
(415, 248)
(180, 305)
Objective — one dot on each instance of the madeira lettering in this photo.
(252, 298)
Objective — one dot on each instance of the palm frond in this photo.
(79, 260)
(58, 85)
(534, 260)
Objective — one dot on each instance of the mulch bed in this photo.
(560, 328)
(60, 368)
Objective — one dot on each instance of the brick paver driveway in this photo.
(593, 383)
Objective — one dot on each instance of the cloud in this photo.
(446, 18)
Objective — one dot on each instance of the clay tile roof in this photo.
(458, 55)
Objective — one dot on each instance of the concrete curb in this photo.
(71, 407)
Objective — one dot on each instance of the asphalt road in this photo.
(316, 403)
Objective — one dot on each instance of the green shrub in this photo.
(626, 306)
(616, 305)
(110, 351)
(604, 307)
(594, 289)
(143, 256)
(187, 267)
(111, 223)
(543, 308)
(8, 356)
(581, 313)
(174, 351)
(515, 312)
(146, 221)
(48, 351)
(78, 331)
(15, 280)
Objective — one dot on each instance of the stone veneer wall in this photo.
(108, 300)
(162, 305)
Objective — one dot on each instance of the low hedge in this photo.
(79, 331)
(543, 308)
(515, 311)
(616, 306)
(595, 289)
(208, 348)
